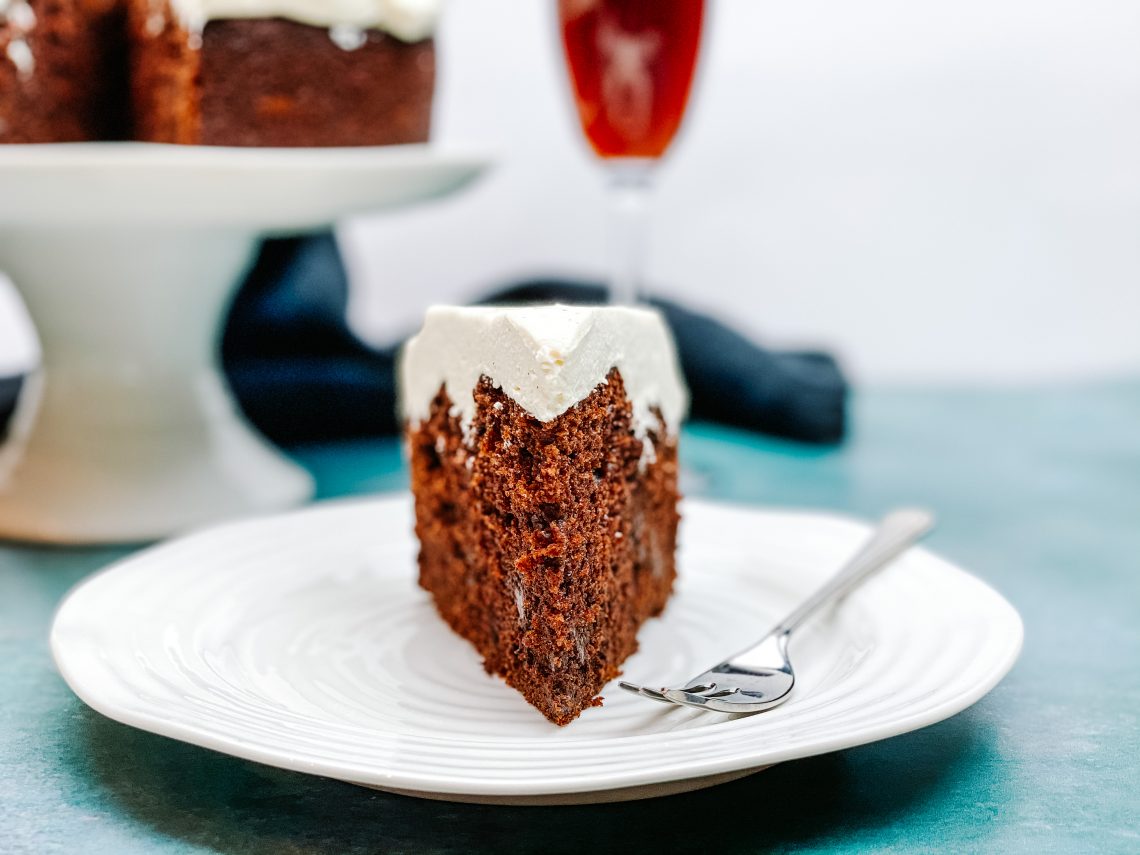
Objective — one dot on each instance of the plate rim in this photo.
(550, 784)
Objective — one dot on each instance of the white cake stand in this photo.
(127, 256)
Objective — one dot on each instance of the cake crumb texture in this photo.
(546, 544)
(62, 71)
(276, 82)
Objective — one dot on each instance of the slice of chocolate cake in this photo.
(543, 445)
(283, 72)
(62, 70)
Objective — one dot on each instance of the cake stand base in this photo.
(128, 432)
(126, 255)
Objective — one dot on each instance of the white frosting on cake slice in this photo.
(544, 358)
(407, 20)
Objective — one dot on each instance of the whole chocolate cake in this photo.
(543, 446)
(218, 72)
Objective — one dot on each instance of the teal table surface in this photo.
(1038, 492)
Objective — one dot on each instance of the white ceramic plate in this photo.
(302, 641)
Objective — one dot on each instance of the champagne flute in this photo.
(631, 64)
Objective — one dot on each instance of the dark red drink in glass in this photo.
(631, 63)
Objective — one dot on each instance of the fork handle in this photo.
(896, 533)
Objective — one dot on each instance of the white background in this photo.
(941, 191)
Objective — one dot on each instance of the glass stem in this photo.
(629, 192)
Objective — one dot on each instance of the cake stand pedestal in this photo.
(126, 256)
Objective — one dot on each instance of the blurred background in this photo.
(940, 192)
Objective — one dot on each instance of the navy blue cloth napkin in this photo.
(9, 392)
(301, 375)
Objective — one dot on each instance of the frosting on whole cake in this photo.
(544, 358)
(407, 20)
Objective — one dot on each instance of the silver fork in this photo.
(762, 677)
